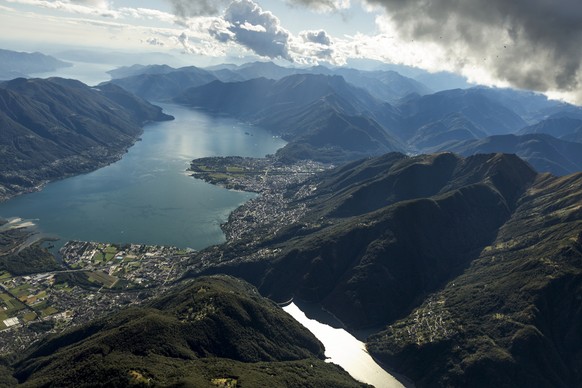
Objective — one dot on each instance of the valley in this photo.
(297, 193)
(457, 265)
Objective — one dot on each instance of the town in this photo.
(96, 278)
(266, 176)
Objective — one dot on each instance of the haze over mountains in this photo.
(15, 64)
(344, 114)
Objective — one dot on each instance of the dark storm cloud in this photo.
(258, 30)
(533, 44)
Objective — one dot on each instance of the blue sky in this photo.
(528, 44)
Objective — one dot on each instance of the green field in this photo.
(49, 311)
(13, 305)
(98, 256)
(40, 305)
(101, 278)
(234, 169)
(63, 286)
(21, 290)
(28, 317)
(4, 297)
(218, 176)
(111, 249)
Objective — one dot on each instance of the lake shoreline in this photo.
(143, 193)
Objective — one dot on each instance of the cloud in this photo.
(154, 42)
(183, 38)
(94, 8)
(147, 13)
(323, 5)
(320, 37)
(190, 8)
(312, 47)
(91, 3)
(251, 27)
(101, 8)
(202, 47)
(532, 44)
(245, 23)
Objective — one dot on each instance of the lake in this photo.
(147, 197)
(89, 73)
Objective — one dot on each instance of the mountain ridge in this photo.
(14, 64)
(200, 333)
(55, 128)
(316, 112)
(453, 262)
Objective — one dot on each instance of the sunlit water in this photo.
(344, 349)
(147, 197)
(89, 73)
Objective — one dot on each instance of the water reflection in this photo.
(146, 197)
(344, 349)
(89, 73)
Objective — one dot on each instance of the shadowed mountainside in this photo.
(471, 265)
(56, 127)
(319, 115)
(545, 153)
(161, 83)
(513, 317)
(565, 128)
(341, 114)
(203, 332)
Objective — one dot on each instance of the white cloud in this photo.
(95, 8)
(252, 27)
(201, 47)
(92, 3)
(319, 36)
(146, 13)
(260, 31)
(313, 47)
